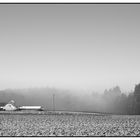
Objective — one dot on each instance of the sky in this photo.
(73, 46)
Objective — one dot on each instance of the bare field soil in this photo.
(68, 124)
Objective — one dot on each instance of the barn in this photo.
(30, 108)
(10, 106)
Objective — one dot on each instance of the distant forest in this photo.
(111, 101)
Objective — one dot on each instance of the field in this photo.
(68, 124)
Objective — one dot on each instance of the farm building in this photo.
(1, 106)
(10, 106)
(30, 108)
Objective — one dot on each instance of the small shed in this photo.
(2, 104)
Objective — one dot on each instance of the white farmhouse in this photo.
(10, 106)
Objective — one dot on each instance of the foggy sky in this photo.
(90, 47)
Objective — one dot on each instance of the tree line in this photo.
(111, 101)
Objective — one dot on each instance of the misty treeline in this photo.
(111, 101)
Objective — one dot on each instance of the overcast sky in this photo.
(91, 47)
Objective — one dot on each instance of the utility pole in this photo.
(53, 102)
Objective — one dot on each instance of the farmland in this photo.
(68, 124)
